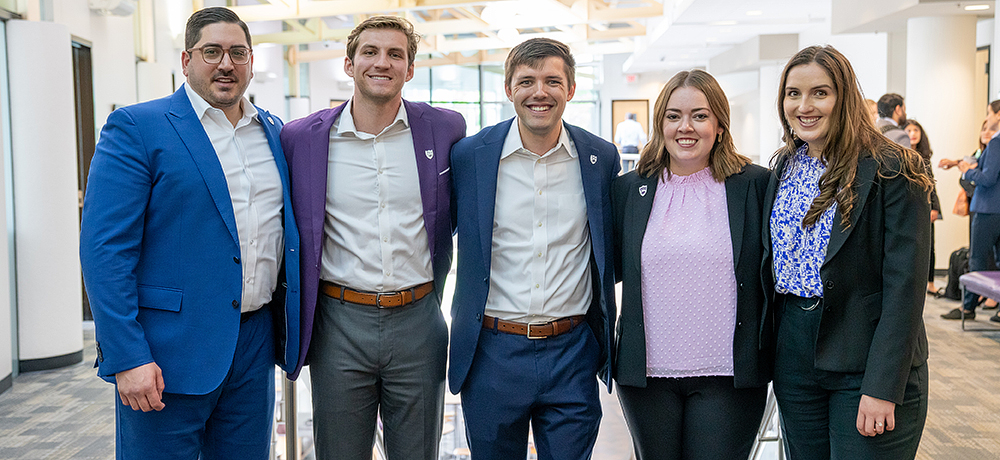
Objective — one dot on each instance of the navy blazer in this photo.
(873, 286)
(160, 251)
(475, 162)
(753, 337)
(986, 177)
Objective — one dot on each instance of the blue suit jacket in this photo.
(475, 162)
(160, 251)
(986, 177)
(307, 145)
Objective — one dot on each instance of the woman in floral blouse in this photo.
(848, 228)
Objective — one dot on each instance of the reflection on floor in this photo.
(68, 413)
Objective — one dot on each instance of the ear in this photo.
(572, 91)
(409, 73)
(349, 67)
(185, 59)
(510, 95)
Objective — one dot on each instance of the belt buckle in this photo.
(536, 337)
(378, 300)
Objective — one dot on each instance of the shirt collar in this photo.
(346, 122)
(513, 142)
(200, 105)
(890, 120)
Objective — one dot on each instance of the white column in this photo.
(940, 74)
(46, 214)
(770, 119)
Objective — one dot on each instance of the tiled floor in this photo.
(68, 413)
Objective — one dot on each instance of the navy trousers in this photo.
(232, 422)
(549, 384)
(984, 243)
(819, 409)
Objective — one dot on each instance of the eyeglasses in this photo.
(213, 54)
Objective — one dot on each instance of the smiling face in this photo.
(380, 66)
(221, 85)
(690, 130)
(540, 96)
(809, 102)
(914, 132)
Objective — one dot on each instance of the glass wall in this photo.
(477, 93)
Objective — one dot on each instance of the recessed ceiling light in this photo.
(754, 13)
(722, 23)
(977, 7)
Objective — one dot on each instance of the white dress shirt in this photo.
(540, 263)
(374, 235)
(630, 132)
(255, 190)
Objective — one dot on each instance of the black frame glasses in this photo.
(213, 54)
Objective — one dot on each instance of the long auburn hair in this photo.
(723, 160)
(850, 134)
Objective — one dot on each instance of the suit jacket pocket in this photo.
(873, 306)
(160, 298)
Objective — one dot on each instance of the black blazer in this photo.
(752, 340)
(873, 280)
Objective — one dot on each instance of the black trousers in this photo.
(819, 409)
(693, 418)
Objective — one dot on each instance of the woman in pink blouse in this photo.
(693, 357)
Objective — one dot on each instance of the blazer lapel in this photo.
(192, 134)
(637, 221)
(590, 172)
(736, 197)
(423, 148)
(318, 151)
(487, 161)
(867, 167)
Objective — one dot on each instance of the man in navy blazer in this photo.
(189, 254)
(534, 305)
(371, 192)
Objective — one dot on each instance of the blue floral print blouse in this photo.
(799, 252)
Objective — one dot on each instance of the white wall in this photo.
(327, 82)
(45, 190)
(6, 311)
(113, 56)
(268, 84)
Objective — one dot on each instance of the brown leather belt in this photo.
(377, 299)
(534, 330)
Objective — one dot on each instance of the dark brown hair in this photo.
(723, 160)
(850, 134)
(923, 147)
(532, 52)
(209, 16)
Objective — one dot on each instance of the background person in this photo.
(920, 143)
(692, 379)
(850, 371)
(631, 137)
(892, 115)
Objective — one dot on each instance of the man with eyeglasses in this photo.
(190, 258)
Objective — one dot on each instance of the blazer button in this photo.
(829, 284)
(479, 317)
(739, 324)
(236, 304)
(236, 259)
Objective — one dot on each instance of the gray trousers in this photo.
(366, 360)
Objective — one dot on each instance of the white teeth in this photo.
(686, 142)
(539, 109)
(380, 78)
(808, 120)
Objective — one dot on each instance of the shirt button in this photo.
(236, 304)
(539, 192)
(539, 254)
(385, 239)
(536, 286)
(383, 205)
(236, 259)
(539, 224)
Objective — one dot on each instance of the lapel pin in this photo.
(642, 190)
(429, 153)
(270, 120)
(593, 159)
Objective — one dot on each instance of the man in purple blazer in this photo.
(370, 184)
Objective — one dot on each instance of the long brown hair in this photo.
(850, 134)
(723, 160)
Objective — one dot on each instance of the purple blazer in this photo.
(306, 142)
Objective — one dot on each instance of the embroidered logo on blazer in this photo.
(429, 153)
(642, 190)
(593, 159)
